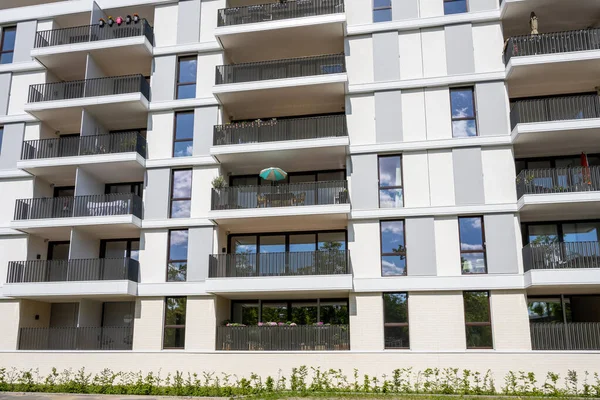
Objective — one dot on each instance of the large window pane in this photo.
(396, 337)
(243, 244)
(304, 242)
(545, 310)
(332, 241)
(272, 244)
(581, 232)
(479, 336)
(245, 313)
(462, 104)
(274, 312)
(304, 313)
(382, 10)
(393, 250)
(543, 234)
(184, 134)
(455, 6)
(472, 247)
(390, 182)
(395, 312)
(7, 46)
(477, 319)
(181, 194)
(186, 77)
(174, 334)
(334, 312)
(178, 254)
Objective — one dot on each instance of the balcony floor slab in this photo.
(547, 207)
(56, 291)
(564, 280)
(107, 227)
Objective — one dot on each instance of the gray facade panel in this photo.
(163, 78)
(12, 140)
(205, 118)
(157, 193)
(460, 58)
(420, 247)
(5, 81)
(388, 116)
(468, 176)
(405, 9)
(501, 239)
(200, 245)
(386, 59)
(188, 23)
(482, 5)
(363, 174)
(24, 41)
(490, 98)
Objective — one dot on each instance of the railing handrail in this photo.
(558, 180)
(265, 5)
(282, 60)
(106, 195)
(561, 255)
(555, 108)
(90, 79)
(88, 26)
(533, 170)
(565, 336)
(282, 185)
(76, 338)
(545, 34)
(47, 140)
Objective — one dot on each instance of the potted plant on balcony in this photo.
(111, 21)
(218, 183)
(128, 19)
(101, 22)
(136, 18)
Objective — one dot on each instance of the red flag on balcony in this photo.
(586, 173)
(584, 160)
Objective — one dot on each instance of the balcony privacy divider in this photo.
(277, 130)
(93, 33)
(71, 146)
(96, 269)
(558, 180)
(324, 262)
(555, 108)
(79, 206)
(76, 338)
(283, 338)
(278, 11)
(284, 195)
(561, 336)
(561, 255)
(551, 43)
(281, 69)
(89, 88)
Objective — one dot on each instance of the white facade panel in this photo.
(411, 58)
(498, 175)
(441, 177)
(434, 52)
(487, 38)
(416, 179)
(360, 117)
(359, 59)
(165, 25)
(160, 135)
(19, 90)
(447, 246)
(437, 110)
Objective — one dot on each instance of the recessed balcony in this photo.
(565, 336)
(561, 255)
(537, 64)
(76, 338)
(64, 51)
(556, 124)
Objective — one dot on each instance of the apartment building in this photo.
(440, 207)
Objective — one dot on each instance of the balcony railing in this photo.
(277, 11)
(79, 206)
(569, 336)
(76, 338)
(334, 262)
(559, 108)
(99, 269)
(280, 130)
(558, 180)
(71, 146)
(93, 33)
(281, 69)
(286, 195)
(551, 43)
(283, 338)
(561, 255)
(89, 88)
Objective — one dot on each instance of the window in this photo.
(382, 10)
(181, 193)
(186, 77)
(183, 141)
(178, 254)
(472, 245)
(395, 323)
(455, 6)
(464, 120)
(390, 182)
(174, 336)
(477, 320)
(120, 248)
(1, 136)
(393, 250)
(300, 312)
(7, 47)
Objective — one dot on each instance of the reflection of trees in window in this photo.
(549, 310)
(174, 335)
(477, 320)
(304, 312)
(395, 326)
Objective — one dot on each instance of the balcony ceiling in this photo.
(564, 206)
(63, 233)
(556, 141)
(5, 4)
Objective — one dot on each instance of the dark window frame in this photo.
(455, 1)
(287, 237)
(175, 140)
(286, 181)
(169, 260)
(396, 324)
(57, 189)
(473, 118)
(174, 326)
(129, 241)
(382, 8)
(178, 83)
(132, 187)
(171, 198)
(2, 51)
(488, 323)
(51, 244)
(260, 302)
(380, 188)
(484, 250)
(393, 254)
(559, 227)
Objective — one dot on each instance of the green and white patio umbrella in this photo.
(273, 174)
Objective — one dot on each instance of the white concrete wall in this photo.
(19, 90)
(447, 246)
(165, 24)
(201, 190)
(87, 184)
(12, 248)
(415, 169)
(90, 313)
(160, 135)
(153, 255)
(437, 110)
(148, 325)
(499, 175)
(9, 320)
(358, 12)
(487, 39)
(200, 332)
(208, 18)
(29, 309)
(11, 191)
(431, 8)
(414, 123)
(510, 321)
(360, 118)
(205, 78)
(83, 245)
(441, 177)
(359, 59)
(434, 52)
(36, 246)
(411, 56)
(366, 321)
(365, 235)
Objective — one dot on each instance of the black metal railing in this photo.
(76, 338)
(70, 146)
(285, 195)
(280, 69)
(93, 33)
(561, 255)
(550, 43)
(324, 262)
(282, 338)
(277, 11)
(555, 108)
(561, 336)
(79, 206)
(89, 88)
(98, 269)
(277, 130)
(558, 180)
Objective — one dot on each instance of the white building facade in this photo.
(441, 206)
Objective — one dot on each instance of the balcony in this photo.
(569, 192)
(283, 338)
(282, 87)
(565, 336)
(556, 124)
(537, 64)
(76, 338)
(282, 141)
(64, 51)
(120, 101)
